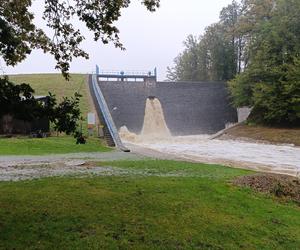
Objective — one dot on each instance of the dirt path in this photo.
(8, 161)
(19, 168)
(14, 168)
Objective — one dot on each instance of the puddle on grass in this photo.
(29, 172)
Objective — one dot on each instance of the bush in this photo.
(66, 114)
(18, 102)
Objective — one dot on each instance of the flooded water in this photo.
(266, 157)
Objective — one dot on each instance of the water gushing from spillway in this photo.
(155, 135)
(154, 126)
(154, 120)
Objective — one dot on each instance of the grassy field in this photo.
(56, 84)
(166, 205)
(274, 135)
(51, 145)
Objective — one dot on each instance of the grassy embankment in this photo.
(269, 134)
(181, 206)
(56, 84)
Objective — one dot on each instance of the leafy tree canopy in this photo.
(19, 35)
(216, 55)
(271, 81)
(19, 101)
(255, 46)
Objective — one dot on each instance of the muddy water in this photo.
(154, 126)
(154, 120)
(266, 157)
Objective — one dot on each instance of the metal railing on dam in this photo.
(121, 75)
(107, 118)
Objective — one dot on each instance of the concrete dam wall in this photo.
(189, 107)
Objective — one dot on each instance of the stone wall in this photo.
(189, 107)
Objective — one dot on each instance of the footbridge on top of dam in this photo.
(189, 108)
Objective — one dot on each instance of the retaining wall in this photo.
(189, 107)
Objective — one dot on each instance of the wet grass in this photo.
(178, 168)
(50, 145)
(202, 211)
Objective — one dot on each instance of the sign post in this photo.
(91, 118)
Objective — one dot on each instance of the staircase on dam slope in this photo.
(110, 132)
(189, 108)
(107, 136)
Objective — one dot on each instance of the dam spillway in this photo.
(154, 120)
(189, 107)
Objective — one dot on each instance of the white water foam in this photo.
(155, 135)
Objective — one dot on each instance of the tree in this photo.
(271, 81)
(255, 46)
(186, 63)
(18, 101)
(221, 63)
(229, 18)
(66, 114)
(216, 55)
(211, 57)
(19, 36)
(251, 14)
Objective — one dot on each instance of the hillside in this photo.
(267, 134)
(56, 84)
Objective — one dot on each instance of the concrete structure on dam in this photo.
(189, 107)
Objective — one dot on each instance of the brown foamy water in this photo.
(155, 135)
(154, 120)
(154, 126)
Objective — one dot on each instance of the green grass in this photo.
(51, 145)
(203, 211)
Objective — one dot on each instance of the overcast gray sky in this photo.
(151, 39)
